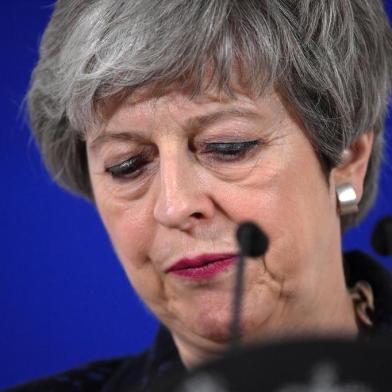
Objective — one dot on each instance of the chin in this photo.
(215, 324)
(207, 313)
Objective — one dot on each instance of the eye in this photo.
(232, 151)
(131, 168)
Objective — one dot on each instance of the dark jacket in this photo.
(142, 372)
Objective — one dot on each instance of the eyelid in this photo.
(234, 143)
(143, 154)
(122, 167)
(240, 145)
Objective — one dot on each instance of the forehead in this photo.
(210, 106)
(194, 90)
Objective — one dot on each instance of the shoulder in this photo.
(88, 378)
(118, 374)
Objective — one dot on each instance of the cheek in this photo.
(292, 203)
(131, 229)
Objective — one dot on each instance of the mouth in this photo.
(203, 266)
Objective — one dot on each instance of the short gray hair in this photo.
(331, 60)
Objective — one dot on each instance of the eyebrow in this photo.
(193, 125)
(108, 136)
(201, 122)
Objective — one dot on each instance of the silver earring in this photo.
(347, 199)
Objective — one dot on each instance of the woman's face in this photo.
(174, 176)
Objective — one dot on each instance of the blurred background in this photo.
(64, 299)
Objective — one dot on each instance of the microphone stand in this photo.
(235, 332)
(253, 243)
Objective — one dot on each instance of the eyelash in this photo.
(230, 152)
(220, 151)
(128, 168)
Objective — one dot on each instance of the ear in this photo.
(354, 163)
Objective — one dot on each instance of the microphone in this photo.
(382, 237)
(253, 243)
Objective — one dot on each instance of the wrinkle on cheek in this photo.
(166, 302)
(172, 299)
(266, 279)
(151, 291)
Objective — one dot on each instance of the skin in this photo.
(186, 202)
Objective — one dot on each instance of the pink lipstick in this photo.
(202, 267)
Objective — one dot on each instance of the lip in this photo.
(202, 267)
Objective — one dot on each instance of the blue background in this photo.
(64, 299)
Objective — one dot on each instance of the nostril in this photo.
(197, 215)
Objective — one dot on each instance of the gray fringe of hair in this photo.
(331, 60)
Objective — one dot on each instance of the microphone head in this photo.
(252, 240)
(382, 237)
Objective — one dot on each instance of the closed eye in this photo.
(130, 168)
(217, 151)
(231, 151)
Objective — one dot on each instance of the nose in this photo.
(182, 201)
